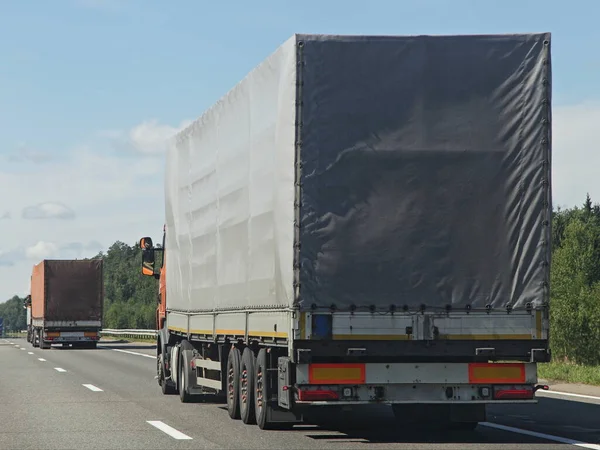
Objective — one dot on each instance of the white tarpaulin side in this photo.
(230, 196)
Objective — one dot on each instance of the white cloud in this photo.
(49, 250)
(116, 196)
(147, 138)
(42, 250)
(48, 210)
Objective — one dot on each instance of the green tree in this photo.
(14, 315)
(575, 289)
(130, 297)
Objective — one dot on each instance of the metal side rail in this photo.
(129, 333)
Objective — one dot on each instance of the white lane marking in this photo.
(17, 345)
(91, 387)
(134, 353)
(22, 348)
(42, 359)
(59, 369)
(175, 434)
(566, 394)
(30, 353)
(548, 437)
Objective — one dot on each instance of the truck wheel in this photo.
(183, 380)
(166, 386)
(43, 345)
(247, 386)
(34, 339)
(233, 383)
(262, 394)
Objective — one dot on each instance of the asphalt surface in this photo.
(108, 399)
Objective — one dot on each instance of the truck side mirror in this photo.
(148, 260)
(146, 243)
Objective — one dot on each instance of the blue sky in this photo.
(90, 89)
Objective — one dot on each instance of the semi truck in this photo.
(66, 303)
(363, 220)
(27, 306)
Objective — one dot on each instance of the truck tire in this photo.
(43, 345)
(233, 383)
(247, 386)
(262, 391)
(167, 386)
(185, 372)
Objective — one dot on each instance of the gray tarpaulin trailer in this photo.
(364, 219)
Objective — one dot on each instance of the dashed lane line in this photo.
(134, 353)
(175, 434)
(91, 387)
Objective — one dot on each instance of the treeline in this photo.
(131, 299)
(14, 315)
(575, 284)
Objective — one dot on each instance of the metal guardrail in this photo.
(131, 333)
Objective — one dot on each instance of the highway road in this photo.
(108, 399)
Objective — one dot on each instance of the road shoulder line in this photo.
(536, 434)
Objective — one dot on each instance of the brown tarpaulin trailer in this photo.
(67, 290)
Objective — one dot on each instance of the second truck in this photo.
(363, 219)
(66, 303)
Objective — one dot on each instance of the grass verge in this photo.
(569, 373)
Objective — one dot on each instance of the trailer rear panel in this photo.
(67, 291)
(425, 171)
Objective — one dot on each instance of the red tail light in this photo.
(317, 396)
(513, 392)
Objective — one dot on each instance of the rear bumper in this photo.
(68, 336)
(416, 373)
(431, 383)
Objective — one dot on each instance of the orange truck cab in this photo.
(149, 268)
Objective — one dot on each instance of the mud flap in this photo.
(284, 382)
